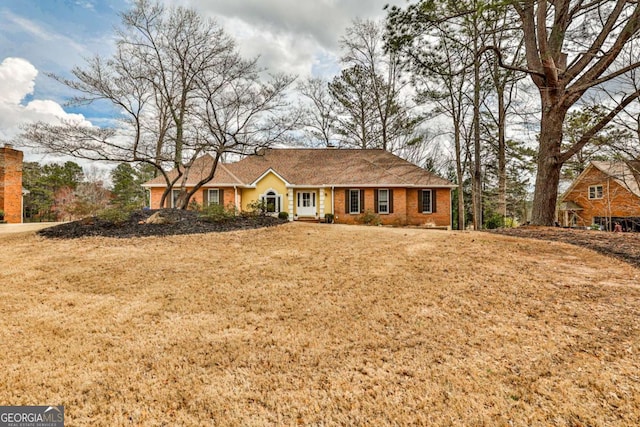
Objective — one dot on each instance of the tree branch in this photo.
(563, 157)
(506, 66)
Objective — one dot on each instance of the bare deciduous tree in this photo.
(572, 48)
(318, 114)
(180, 89)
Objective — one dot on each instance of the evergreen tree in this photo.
(46, 185)
(127, 190)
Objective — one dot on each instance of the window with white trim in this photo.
(214, 196)
(426, 201)
(354, 201)
(596, 192)
(383, 201)
(272, 201)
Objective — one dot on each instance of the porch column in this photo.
(321, 207)
(290, 199)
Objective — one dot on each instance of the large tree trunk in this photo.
(502, 159)
(459, 173)
(549, 165)
(476, 192)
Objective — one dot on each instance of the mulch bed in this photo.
(624, 246)
(180, 222)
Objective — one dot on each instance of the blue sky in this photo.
(55, 35)
(39, 37)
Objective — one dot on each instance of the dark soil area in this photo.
(177, 222)
(624, 246)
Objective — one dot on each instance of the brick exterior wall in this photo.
(227, 195)
(616, 201)
(405, 208)
(442, 215)
(11, 184)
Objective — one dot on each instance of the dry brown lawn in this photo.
(315, 324)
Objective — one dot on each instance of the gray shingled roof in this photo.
(317, 167)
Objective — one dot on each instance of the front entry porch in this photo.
(307, 203)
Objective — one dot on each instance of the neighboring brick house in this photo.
(11, 191)
(312, 183)
(603, 194)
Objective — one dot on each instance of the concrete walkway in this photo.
(21, 228)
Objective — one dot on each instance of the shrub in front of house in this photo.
(283, 215)
(369, 217)
(255, 208)
(195, 206)
(216, 213)
(114, 215)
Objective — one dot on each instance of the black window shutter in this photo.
(390, 201)
(361, 200)
(433, 201)
(347, 202)
(375, 200)
(420, 201)
(205, 197)
(221, 197)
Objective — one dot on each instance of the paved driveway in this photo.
(20, 228)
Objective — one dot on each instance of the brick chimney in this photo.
(11, 183)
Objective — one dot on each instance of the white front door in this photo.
(306, 204)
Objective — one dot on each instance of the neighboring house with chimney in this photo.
(603, 194)
(11, 191)
(313, 183)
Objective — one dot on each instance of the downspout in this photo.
(333, 199)
(235, 198)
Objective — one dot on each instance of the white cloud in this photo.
(27, 26)
(17, 81)
(86, 4)
(298, 37)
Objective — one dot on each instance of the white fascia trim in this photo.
(207, 185)
(255, 183)
(310, 187)
(390, 186)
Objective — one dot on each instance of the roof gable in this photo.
(626, 174)
(266, 173)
